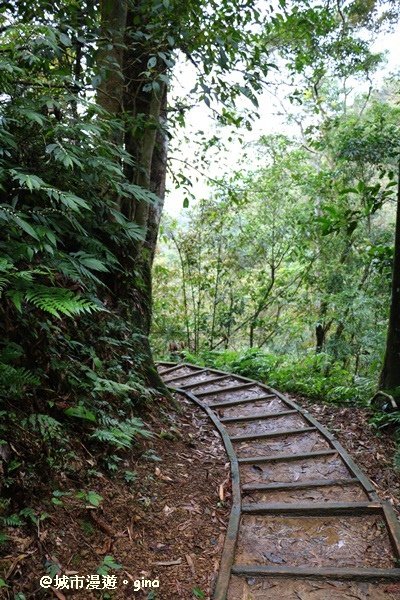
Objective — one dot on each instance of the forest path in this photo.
(306, 523)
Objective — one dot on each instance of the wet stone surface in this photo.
(344, 541)
(329, 493)
(297, 589)
(327, 467)
(241, 394)
(266, 425)
(256, 407)
(305, 442)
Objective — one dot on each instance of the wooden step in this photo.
(313, 508)
(261, 417)
(171, 369)
(271, 434)
(362, 573)
(232, 388)
(235, 402)
(286, 457)
(204, 382)
(186, 376)
(297, 485)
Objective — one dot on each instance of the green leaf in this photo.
(80, 412)
(57, 502)
(32, 182)
(16, 297)
(31, 115)
(95, 499)
(25, 226)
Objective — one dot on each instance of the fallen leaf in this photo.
(190, 562)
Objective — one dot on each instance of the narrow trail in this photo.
(305, 523)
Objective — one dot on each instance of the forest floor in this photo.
(373, 451)
(168, 524)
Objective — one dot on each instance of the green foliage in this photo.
(57, 497)
(295, 255)
(48, 428)
(130, 476)
(315, 376)
(25, 515)
(108, 563)
(151, 455)
(90, 497)
(80, 412)
(73, 360)
(121, 434)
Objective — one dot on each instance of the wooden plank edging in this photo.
(313, 508)
(316, 573)
(353, 468)
(228, 551)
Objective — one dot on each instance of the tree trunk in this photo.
(320, 337)
(113, 14)
(390, 375)
(216, 292)
(322, 328)
(184, 293)
(122, 94)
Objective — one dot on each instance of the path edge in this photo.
(232, 532)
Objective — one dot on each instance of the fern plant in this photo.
(70, 366)
(121, 434)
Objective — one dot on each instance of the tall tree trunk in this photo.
(390, 375)
(184, 292)
(320, 338)
(322, 328)
(111, 58)
(122, 94)
(253, 324)
(216, 292)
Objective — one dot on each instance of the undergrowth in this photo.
(76, 371)
(71, 418)
(316, 376)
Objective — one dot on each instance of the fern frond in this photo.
(121, 434)
(48, 427)
(59, 301)
(15, 379)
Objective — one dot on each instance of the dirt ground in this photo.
(168, 524)
(159, 535)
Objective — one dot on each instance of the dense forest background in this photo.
(284, 272)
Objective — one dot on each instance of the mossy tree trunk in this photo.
(142, 113)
